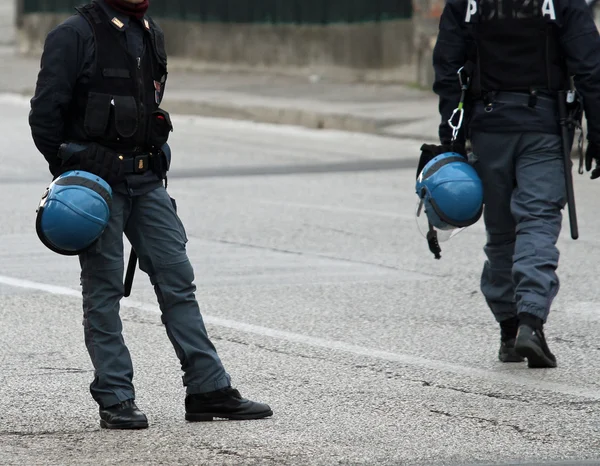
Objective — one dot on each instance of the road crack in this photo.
(65, 370)
(269, 348)
(528, 435)
(43, 433)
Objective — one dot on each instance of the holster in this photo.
(160, 128)
(575, 110)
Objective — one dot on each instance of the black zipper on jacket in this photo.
(142, 109)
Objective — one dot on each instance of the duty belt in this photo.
(543, 101)
(136, 164)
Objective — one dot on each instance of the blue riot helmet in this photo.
(450, 195)
(73, 212)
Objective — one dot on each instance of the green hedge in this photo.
(257, 11)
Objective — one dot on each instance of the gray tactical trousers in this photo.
(155, 231)
(524, 194)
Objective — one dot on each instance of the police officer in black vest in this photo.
(97, 108)
(515, 56)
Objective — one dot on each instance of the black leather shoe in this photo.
(507, 352)
(531, 344)
(226, 403)
(125, 415)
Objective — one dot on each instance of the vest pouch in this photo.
(126, 116)
(97, 114)
(160, 127)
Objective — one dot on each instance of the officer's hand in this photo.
(430, 151)
(102, 162)
(592, 154)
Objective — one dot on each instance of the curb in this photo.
(279, 116)
(294, 117)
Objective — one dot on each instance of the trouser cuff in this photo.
(106, 401)
(211, 386)
(534, 309)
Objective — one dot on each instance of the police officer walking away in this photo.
(96, 109)
(517, 54)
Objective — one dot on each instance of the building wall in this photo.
(355, 39)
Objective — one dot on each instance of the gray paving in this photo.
(323, 301)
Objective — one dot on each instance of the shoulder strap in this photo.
(90, 12)
(158, 40)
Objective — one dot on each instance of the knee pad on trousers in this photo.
(174, 287)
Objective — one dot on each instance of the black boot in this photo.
(125, 415)
(226, 403)
(507, 352)
(508, 333)
(531, 343)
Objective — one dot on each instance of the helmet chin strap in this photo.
(432, 241)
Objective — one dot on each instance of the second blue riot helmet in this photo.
(74, 212)
(450, 195)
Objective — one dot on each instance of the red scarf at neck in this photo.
(137, 10)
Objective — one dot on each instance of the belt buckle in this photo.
(140, 164)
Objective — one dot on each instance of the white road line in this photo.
(502, 376)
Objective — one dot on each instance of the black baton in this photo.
(130, 272)
(566, 125)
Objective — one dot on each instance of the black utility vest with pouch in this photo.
(516, 46)
(115, 106)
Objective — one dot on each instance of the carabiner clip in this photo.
(456, 129)
(460, 109)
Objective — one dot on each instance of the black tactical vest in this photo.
(516, 46)
(114, 108)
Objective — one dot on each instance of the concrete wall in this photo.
(366, 51)
(426, 25)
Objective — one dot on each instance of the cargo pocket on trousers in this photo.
(97, 114)
(179, 222)
(126, 116)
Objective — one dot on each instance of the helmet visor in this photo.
(443, 234)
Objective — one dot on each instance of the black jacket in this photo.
(69, 60)
(578, 39)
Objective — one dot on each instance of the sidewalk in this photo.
(389, 110)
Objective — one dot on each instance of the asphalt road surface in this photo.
(323, 301)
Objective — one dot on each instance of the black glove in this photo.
(96, 159)
(592, 153)
(430, 151)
